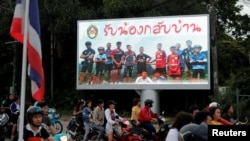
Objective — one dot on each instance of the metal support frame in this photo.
(238, 95)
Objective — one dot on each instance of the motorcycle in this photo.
(77, 134)
(121, 132)
(61, 137)
(55, 118)
(5, 126)
(160, 135)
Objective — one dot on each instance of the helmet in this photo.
(32, 111)
(149, 102)
(214, 104)
(100, 48)
(87, 43)
(198, 46)
(81, 101)
(111, 102)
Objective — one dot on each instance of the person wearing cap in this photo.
(118, 58)
(146, 117)
(109, 62)
(100, 61)
(173, 61)
(110, 116)
(187, 53)
(87, 64)
(198, 61)
(160, 60)
(129, 61)
(98, 118)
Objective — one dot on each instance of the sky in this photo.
(246, 6)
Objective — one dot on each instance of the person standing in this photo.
(187, 53)
(117, 57)
(100, 61)
(129, 61)
(87, 65)
(198, 61)
(173, 61)
(98, 118)
(109, 62)
(179, 52)
(160, 60)
(142, 60)
(15, 111)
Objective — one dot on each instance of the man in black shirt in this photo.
(142, 59)
(187, 53)
(87, 64)
(118, 58)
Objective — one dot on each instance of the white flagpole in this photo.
(24, 73)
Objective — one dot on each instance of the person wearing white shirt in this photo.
(143, 79)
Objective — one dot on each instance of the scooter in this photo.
(61, 137)
(5, 126)
(121, 132)
(55, 118)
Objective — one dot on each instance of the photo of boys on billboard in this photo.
(160, 55)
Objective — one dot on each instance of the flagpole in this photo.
(24, 72)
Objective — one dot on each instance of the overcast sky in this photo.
(246, 6)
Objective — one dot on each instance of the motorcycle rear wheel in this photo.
(58, 126)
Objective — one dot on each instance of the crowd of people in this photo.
(196, 120)
(37, 122)
(167, 67)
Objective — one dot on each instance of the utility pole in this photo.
(213, 24)
(13, 43)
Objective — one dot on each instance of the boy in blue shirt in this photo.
(100, 61)
(198, 61)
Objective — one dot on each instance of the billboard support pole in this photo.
(151, 94)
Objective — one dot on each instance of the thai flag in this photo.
(34, 53)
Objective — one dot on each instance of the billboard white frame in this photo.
(196, 25)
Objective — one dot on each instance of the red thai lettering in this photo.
(132, 30)
(123, 29)
(140, 30)
(195, 27)
(158, 28)
(186, 25)
(147, 27)
(176, 27)
(109, 28)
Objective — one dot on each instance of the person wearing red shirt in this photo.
(146, 116)
(160, 60)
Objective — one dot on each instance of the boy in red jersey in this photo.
(160, 60)
(173, 61)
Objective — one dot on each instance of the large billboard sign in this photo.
(170, 52)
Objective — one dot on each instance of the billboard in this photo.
(169, 52)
